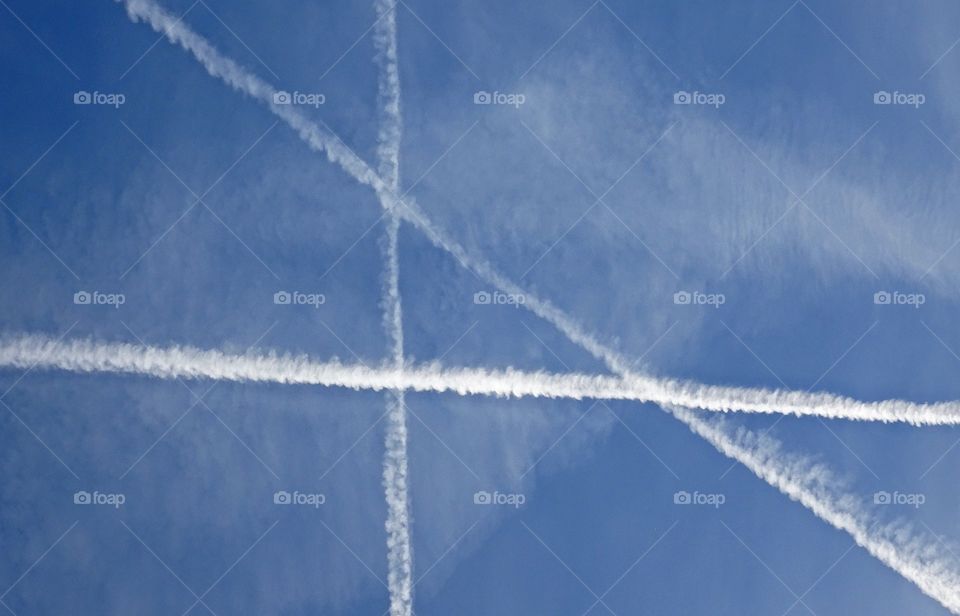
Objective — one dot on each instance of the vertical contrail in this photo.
(395, 462)
(231, 73)
(898, 546)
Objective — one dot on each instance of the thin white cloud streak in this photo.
(231, 73)
(388, 86)
(237, 77)
(322, 141)
(396, 491)
(23, 351)
(395, 461)
(898, 546)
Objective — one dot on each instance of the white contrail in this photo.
(896, 545)
(320, 140)
(26, 350)
(230, 72)
(395, 462)
(391, 123)
(31, 351)
(244, 81)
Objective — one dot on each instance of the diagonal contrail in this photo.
(82, 355)
(395, 461)
(227, 70)
(898, 546)
(320, 140)
(242, 80)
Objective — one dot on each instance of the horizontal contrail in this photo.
(24, 351)
(898, 546)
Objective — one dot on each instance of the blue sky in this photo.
(796, 200)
